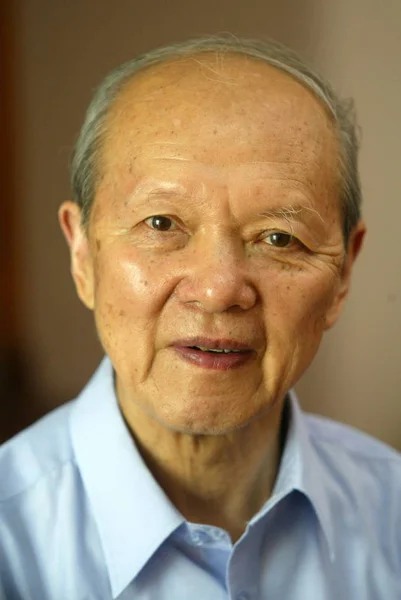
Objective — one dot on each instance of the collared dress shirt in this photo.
(82, 518)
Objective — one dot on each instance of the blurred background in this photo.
(53, 53)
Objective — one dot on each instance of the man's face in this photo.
(216, 225)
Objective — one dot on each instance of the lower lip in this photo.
(214, 360)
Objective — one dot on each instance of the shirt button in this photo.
(196, 539)
(220, 536)
(199, 537)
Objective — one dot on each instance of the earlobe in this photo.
(80, 252)
(354, 247)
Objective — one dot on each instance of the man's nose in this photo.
(217, 277)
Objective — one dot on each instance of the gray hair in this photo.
(85, 167)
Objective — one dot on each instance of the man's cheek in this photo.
(298, 318)
(137, 277)
(117, 281)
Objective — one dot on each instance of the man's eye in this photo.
(278, 239)
(160, 223)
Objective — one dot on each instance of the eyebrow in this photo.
(292, 213)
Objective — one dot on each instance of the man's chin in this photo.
(207, 424)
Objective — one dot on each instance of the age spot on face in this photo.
(110, 308)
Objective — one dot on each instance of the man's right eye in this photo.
(160, 223)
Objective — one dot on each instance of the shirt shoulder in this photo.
(361, 466)
(346, 439)
(359, 478)
(49, 541)
(35, 453)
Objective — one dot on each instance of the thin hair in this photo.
(85, 164)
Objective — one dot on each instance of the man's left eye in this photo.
(160, 223)
(279, 239)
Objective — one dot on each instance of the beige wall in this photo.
(66, 47)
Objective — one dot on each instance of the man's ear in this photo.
(80, 252)
(355, 243)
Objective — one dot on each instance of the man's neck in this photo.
(220, 480)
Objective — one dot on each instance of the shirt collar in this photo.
(132, 514)
(301, 469)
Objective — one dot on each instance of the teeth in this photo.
(223, 351)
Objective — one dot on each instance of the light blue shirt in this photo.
(81, 517)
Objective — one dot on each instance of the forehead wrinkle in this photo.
(147, 192)
(212, 165)
(263, 168)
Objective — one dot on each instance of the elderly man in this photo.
(214, 227)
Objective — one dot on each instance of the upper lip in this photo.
(213, 343)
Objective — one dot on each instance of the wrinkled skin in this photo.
(242, 160)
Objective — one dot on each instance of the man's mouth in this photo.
(220, 355)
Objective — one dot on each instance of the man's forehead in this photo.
(241, 111)
(212, 82)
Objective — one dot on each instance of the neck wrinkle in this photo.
(216, 480)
